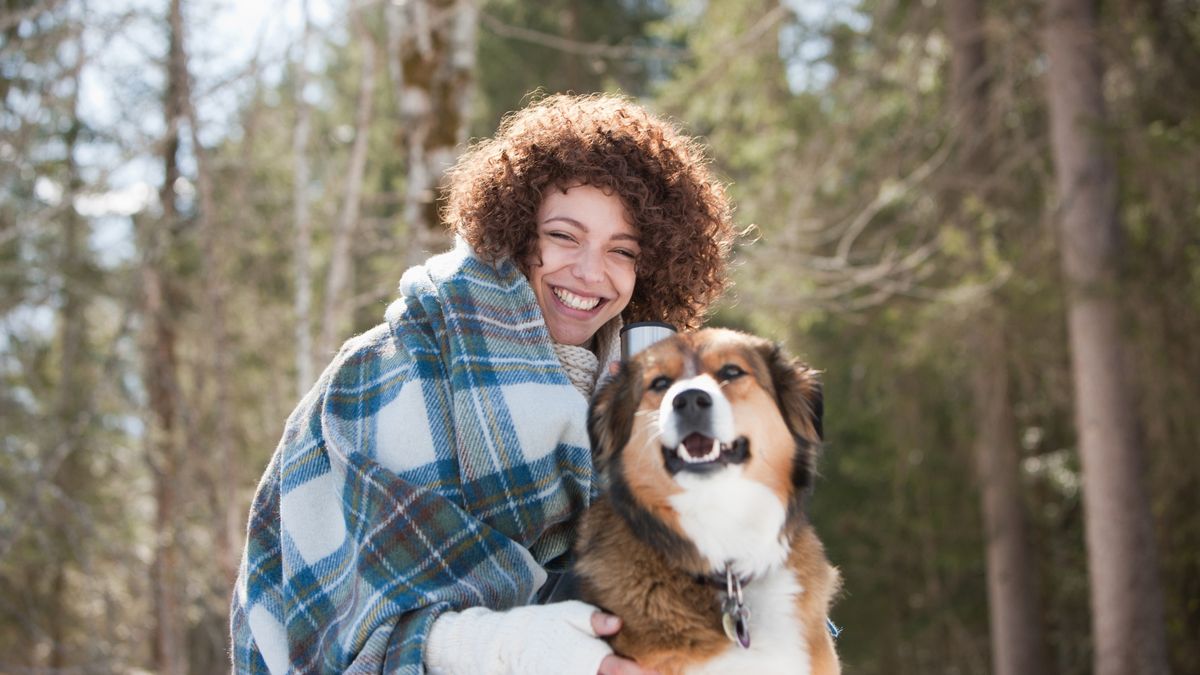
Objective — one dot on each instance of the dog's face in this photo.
(708, 442)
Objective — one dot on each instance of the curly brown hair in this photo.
(680, 210)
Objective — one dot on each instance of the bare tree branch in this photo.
(889, 195)
(729, 53)
(598, 50)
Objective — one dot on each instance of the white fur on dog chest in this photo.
(777, 645)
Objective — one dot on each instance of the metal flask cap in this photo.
(637, 336)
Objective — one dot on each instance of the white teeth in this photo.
(574, 301)
(714, 453)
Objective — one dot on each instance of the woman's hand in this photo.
(553, 639)
(606, 625)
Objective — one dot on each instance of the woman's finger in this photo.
(605, 624)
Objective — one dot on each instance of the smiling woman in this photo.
(434, 477)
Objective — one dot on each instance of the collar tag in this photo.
(735, 616)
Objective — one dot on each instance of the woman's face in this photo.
(588, 253)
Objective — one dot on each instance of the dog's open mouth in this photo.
(698, 452)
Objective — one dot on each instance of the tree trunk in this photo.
(1127, 615)
(436, 47)
(161, 384)
(1014, 620)
(1013, 613)
(969, 75)
(74, 388)
(222, 469)
(163, 450)
(337, 306)
(302, 246)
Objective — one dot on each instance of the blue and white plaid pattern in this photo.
(439, 463)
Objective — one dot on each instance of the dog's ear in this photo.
(798, 392)
(610, 417)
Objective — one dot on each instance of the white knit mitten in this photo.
(554, 639)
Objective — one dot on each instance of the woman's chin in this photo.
(572, 339)
(579, 336)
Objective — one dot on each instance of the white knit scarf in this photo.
(584, 368)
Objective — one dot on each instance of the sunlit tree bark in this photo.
(1127, 615)
(435, 43)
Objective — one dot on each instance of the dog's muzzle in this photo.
(699, 449)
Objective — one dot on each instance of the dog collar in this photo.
(735, 615)
(719, 581)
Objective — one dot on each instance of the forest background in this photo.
(979, 218)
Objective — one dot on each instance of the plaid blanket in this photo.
(438, 463)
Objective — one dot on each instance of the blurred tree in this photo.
(170, 435)
(431, 58)
(337, 310)
(1014, 616)
(301, 212)
(76, 378)
(1151, 53)
(1127, 616)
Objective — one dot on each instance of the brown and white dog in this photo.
(707, 442)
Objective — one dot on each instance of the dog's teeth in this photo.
(713, 453)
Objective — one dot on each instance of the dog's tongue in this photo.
(697, 445)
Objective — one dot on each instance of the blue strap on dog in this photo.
(833, 628)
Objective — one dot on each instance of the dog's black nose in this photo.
(692, 400)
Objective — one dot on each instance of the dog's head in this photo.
(708, 443)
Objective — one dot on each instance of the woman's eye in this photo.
(729, 371)
(625, 253)
(660, 383)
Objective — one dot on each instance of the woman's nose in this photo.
(589, 266)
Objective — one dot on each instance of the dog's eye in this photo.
(660, 383)
(729, 371)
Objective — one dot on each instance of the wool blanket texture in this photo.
(439, 463)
